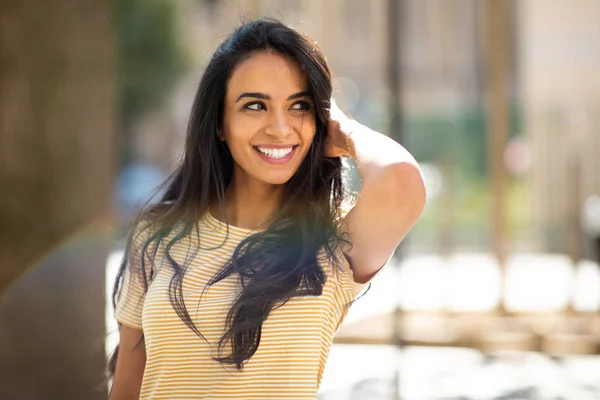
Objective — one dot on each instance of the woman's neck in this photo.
(252, 205)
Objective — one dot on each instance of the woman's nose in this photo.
(279, 124)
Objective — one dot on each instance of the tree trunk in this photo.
(57, 123)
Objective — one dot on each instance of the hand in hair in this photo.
(339, 130)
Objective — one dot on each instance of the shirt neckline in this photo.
(217, 224)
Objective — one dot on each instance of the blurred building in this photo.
(559, 60)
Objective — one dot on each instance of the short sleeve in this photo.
(345, 275)
(130, 301)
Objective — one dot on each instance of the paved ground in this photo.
(357, 372)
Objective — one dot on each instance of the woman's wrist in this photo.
(347, 128)
(350, 146)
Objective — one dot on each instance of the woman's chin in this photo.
(277, 181)
(279, 178)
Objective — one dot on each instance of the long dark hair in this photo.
(280, 262)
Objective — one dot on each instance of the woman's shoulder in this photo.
(334, 263)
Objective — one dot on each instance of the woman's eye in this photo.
(302, 106)
(255, 106)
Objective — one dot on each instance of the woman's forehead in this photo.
(267, 73)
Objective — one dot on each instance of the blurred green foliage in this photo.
(149, 55)
(459, 136)
(455, 141)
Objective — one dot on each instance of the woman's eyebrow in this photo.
(298, 95)
(263, 96)
(253, 94)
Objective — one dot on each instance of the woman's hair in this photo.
(275, 264)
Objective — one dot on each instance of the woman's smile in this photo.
(276, 155)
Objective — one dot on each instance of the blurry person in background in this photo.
(235, 282)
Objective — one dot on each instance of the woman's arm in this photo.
(131, 362)
(391, 198)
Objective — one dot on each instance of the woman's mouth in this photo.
(278, 155)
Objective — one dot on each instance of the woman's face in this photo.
(268, 119)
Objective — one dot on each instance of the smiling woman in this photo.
(251, 233)
(268, 120)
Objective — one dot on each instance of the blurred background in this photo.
(495, 294)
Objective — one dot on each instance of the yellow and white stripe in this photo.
(295, 339)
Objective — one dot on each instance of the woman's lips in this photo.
(273, 160)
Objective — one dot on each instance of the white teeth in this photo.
(275, 153)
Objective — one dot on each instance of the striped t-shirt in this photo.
(295, 340)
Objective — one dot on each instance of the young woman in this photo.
(234, 284)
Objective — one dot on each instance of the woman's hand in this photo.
(339, 142)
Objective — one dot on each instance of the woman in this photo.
(234, 284)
